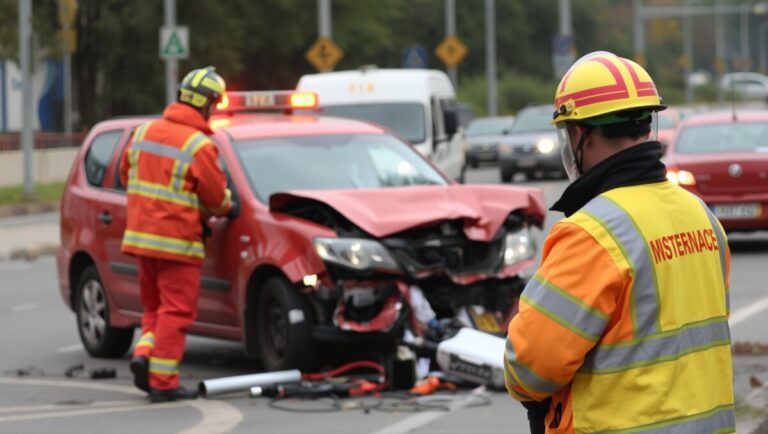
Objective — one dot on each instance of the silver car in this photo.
(531, 146)
(483, 136)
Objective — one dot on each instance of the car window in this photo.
(98, 156)
(488, 127)
(528, 121)
(283, 164)
(723, 138)
(667, 122)
(406, 119)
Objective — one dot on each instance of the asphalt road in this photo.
(39, 343)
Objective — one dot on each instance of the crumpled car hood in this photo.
(386, 211)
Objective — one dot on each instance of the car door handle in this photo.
(105, 217)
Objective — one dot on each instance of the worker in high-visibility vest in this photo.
(174, 182)
(624, 326)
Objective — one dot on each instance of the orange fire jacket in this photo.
(174, 181)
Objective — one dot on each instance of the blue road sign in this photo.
(415, 57)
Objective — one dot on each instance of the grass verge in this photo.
(48, 192)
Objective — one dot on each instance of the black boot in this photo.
(156, 395)
(140, 370)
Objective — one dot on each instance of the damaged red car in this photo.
(346, 236)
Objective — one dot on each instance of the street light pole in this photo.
(171, 65)
(720, 65)
(25, 36)
(639, 33)
(761, 46)
(324, 18)
(745, 60)
(450, 30)
(688, 53)
(490, 55)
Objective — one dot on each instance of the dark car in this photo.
(340, 223)
(531, 146)
(723, 158)
(483, 136)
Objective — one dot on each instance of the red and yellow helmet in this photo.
(602, 83)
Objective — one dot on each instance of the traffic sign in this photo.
(563, 54)
(68, 39)
(415, 57)
(324, 54)
(174, 42)
(67, 12)
(451, 50)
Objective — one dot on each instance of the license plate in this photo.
(526, 162)
(738, 211)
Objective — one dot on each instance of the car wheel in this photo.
(506, 176)
(99, 338)
(284, 327)
(473, 164)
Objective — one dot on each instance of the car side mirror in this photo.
(505, 132)
(451, 121)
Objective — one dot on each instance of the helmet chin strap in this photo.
(579, 154)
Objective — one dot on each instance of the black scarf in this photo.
(640, 164)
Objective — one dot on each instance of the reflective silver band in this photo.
(719, 420)
(189, 149)
(162, 150)
(162, 193)
(527, 376)
(565, 309)
(189, 248)
(608, 359)
(645, 301)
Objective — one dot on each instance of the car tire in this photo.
(284, 331)
(99, 338)
(473, 164)
(506, 176)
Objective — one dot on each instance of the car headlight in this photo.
(545, 145)
(519, 246)
(356, 253)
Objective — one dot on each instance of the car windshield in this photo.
(487, 127)
(283, 164)
(406, 119)
(745, 137)
(529, 121)
(667, 122)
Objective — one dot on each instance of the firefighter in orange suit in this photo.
(624, 326)
(174, 181)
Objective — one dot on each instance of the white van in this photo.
(418, 104)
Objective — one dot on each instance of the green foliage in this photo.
(50, 192)
(515, 89)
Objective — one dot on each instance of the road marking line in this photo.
(55, 414)
(62, 406)
(217, 416)
(421, 419)
(25, 307)
(70, 348)
(746, 312)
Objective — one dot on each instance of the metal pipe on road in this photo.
(239, 383)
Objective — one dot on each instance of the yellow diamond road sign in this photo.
(451, 51)
(324, 54)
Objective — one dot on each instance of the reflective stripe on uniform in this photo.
(224, 202)
(146, 340)
(529, 379)
(663, 347)
(162, 150)
(718, 420)
(162, 192)
(133, 154)
(190, 148)
(160, 366)
(645, 294)
(161, 243)
(565, 309)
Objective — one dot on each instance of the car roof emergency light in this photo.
(281, 100)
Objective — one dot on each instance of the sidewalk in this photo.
(29, 236)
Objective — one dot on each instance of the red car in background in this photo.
(723, 158)
(346, 235)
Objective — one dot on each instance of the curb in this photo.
(28, 253)
(28, 208)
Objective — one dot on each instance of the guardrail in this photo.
(43, 140)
